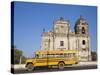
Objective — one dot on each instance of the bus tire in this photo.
(76, 62)
(30, 67)
(61, 65)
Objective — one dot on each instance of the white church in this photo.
(61, 37)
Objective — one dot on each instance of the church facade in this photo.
(62, 38)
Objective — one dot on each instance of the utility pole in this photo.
(68, 36)
(53, 41)
(49, 42)
(53, 35)
(88, 48)
(20, 60)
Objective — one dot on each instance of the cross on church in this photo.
(61, 18)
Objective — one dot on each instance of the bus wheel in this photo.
(61, 65)
(76, 62)
(30, 67)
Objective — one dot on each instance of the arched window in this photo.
(83, 42)
(83, 30)
(61, 43)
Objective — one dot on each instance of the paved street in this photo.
(67, 68)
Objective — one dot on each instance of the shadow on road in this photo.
(45, 69)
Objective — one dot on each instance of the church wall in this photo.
(44, 42)
(72, 43)
(57, 42)
(84, 50)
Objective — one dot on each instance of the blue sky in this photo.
(31, 18)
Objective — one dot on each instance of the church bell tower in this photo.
(83, 39)
(81, 26)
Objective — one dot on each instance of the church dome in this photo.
(61, 21)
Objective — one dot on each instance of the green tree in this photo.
(17, 55)
(23, 60)
(94, 55)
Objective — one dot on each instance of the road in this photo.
(67, 68)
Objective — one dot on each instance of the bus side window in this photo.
(56, 55)
(44, 56)
(74, 54)
(65, 55)
(68, 55)
(50, 55)
(71, 55)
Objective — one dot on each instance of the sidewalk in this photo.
(22, 66)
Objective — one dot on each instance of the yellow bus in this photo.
(48, 58)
